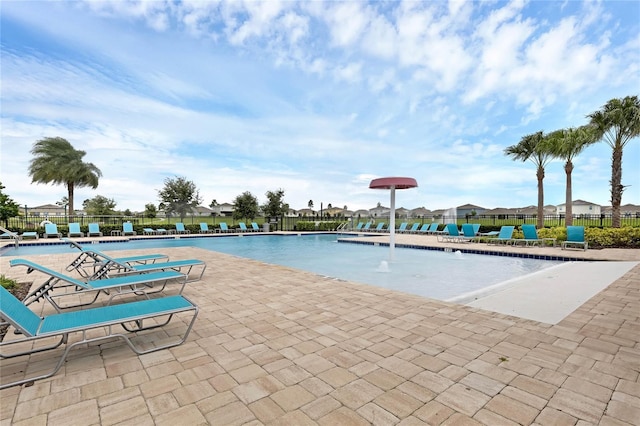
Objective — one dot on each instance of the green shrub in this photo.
(7, 283)
(625, 237)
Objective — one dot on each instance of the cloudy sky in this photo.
(315, 98)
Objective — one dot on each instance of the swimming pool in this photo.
(435, 274)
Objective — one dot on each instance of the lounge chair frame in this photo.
(75, 232)
(69, 287)
(180, 229)
(127, 229)
(531, 237)
(94, 259)
(575, 238)
(452, 235)
(505, 236)
(51, 230)
(111, 266)
(204, 228)
(130, 316)
(94, 230)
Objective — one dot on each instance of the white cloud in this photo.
(316, 98)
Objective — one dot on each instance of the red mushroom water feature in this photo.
(393, 183)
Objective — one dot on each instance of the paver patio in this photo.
(274, 345)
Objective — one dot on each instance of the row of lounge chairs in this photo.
(147, 276)
(51, 230)
(224, 228)
(416, 228)
(470, 233)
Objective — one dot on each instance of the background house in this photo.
(580, 207)
(420, 212)
(379, 212)
(224, 209)
(46, 210)
(627, 210)
(362, 214)
(469, 209)
(202, 211)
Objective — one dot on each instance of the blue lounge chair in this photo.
(127, 229)
(452, 235)
(423, 229)
(148, 231)
(433, 229)
(402, 227)
(51, 230)
(204, 228)
(74, 230)
(94, 230)
(531, 237)
(93, 259)
(98, 321)
(505, 236)
(380, 227)
(255, 227)
(180, 229)
(366, 226)
(450, 231)
(359, 227)
(575, 238)
(414, 228)
(224, 227)
(115, 287)
(33, 235)
(243, 227)
(11, 235)
(111, 266)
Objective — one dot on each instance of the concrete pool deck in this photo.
(274, 345)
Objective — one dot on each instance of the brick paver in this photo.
(273, 345)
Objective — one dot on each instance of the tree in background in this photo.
(127, 212)
(566, 144)
(99, 206)
(616, 123)
(150, 210)
(8, 207)
(179, 196)
(535, 148)
(245, 206)
(57, 161)
(275, 205)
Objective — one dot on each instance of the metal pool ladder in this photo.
(13, 235)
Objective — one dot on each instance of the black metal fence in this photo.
(286, 223)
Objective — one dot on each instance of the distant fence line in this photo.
(288, 223)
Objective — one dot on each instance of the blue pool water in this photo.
(428, 273)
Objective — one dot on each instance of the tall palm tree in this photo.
(566, 144)
(57, 161)
(617, 122)
(535, 148)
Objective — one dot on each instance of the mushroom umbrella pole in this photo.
(393, 183)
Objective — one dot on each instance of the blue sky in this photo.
(316, 98)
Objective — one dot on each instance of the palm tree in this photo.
(616, 123)
(57, 161)
(535, 148)
(566, 144)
